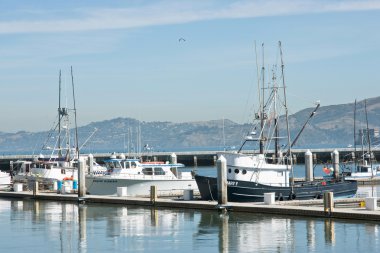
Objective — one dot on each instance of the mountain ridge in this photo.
(332, 125)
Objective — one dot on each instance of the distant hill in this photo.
(331, 126)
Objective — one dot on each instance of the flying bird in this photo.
(181, 39)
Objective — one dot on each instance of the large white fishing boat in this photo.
(138, 177)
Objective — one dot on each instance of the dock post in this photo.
(35, 188)
(195, 161)
(214, 159)
(328, 202)
(314, 158)
(173, 158)
(222, 180)
(90, 161)
(153, 194)
(335, 156)
(309, 166)
(81, 180)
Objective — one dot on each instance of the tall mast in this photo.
(286, 114)
(59, 117)
(368, 137)
(277, 131)
(262, 105)
(75, 115)
(355, 135)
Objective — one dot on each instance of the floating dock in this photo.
(350, 208)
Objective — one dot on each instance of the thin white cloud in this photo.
(168, 12)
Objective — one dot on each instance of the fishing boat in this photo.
(58, 155)
(251, 174)
(138, 177)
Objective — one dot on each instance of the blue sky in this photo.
(128, 60)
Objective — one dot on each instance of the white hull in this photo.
(5, 180)
(138, 187)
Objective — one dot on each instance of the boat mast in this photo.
(75, 115)
(276, 129)
(368, 137)
(262, 105)
(286, 116)
(59, 117)
(355, 137)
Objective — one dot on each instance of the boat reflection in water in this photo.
(68, 227)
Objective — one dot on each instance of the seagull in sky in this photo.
(181, 39)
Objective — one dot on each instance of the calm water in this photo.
(41, 226)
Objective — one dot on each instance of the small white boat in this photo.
(364, 172)
(138, 177)
(5, 180)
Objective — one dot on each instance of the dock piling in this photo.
(222, 180)
(153, 194)
(309, 166)
(328, 202)
(335, 157)
(35, 188)
(81, 180)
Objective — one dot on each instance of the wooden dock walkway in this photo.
(344, 208)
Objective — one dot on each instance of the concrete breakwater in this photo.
(209, 158)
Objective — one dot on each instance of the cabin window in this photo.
(147, 171)
(244, 172)
(126, 165)
(236, 171)
(27, 168)
(229, 170)
(133, 165)
(159, 171)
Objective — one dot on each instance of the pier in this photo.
(208, 158)
(352, 208)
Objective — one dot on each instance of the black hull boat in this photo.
(244, 191)
(270, 167)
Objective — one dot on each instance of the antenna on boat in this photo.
(75, 115)
(286, 116)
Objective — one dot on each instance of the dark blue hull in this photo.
(243, 191)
